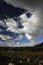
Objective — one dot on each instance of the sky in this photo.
(21, 24)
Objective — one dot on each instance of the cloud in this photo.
(12, 43)
(29, 32)
(5, 37)
(11, 24)
(2, 26)
(33, 26)
(26, 4)
(19, 37)
(7, 25)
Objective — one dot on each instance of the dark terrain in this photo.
(21, 55)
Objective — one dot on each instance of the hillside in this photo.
(39, 45)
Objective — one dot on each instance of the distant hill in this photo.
(39, 45)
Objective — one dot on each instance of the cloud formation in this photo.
(2, 29)
(33, 26)
(27, 4)
(6, 38)
(12, 43)
(11, 24)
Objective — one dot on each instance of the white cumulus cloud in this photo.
(33, 26)
(11, 24)
(5, 37)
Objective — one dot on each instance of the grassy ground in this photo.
(21, 56)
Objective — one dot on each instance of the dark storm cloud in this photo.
(7, 9)
(32, 4)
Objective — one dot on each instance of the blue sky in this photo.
(25, 40)
(40, 39)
